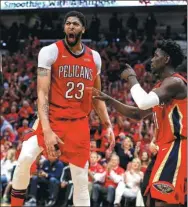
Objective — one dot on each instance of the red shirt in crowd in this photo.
(22, 130)
(108, 181)
(25, 112)
(12, 117)
(97, 168)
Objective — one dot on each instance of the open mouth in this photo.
(71, 37)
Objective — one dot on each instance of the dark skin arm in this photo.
(126, 110)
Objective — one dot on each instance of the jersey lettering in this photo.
(80, 90)
(75, 71)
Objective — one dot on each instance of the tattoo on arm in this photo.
(46, 109)
(42, 72)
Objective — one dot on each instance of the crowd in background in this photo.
(49, 25)
(19, 107)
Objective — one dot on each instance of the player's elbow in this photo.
(143, 105)
(148, 101)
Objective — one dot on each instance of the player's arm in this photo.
(43, 87)
(100, 106)
(169, 89)
(45, 61)
(126, 110)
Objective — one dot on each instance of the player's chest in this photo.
(81, 69)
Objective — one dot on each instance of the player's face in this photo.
(73, 29)
(159, 60)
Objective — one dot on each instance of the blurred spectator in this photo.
(168, 32)
(132, 21)
(94, 167)
(4, 124)
(49, 175)
(139, 69)
(102, 40)
(114, 25)
(111, 177)
(12, 117)
(23, 31)
(150, 25)
(13, 37)
(23, 129)
(66, 186)
(125, 152)
(136, 45)
(184, 24)
(7, 164)
(6, 194)
(93, 146)
(145, 159)
(130, 186)
(25, 111)
(94, 28)
(9, 135)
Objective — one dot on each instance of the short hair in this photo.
(77, 14)
(173, 50)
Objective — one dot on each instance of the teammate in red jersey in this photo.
(167, 101)
(65, 70)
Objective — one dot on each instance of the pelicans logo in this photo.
(163, 187)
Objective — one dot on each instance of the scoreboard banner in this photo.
(14, 5)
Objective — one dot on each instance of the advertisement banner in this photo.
(14, 5)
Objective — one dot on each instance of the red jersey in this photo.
(170, 119)
(71, 76)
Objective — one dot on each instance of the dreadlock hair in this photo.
(172, 49)
(77, 14)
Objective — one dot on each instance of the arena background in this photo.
(26, 26)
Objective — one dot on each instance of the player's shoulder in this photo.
(95, 53)
(49, 48)
(173, 81)
(96, 58)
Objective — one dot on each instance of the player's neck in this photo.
(77, 49)
(167, 72)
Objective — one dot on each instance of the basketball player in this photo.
(167, 101)
(65, 70)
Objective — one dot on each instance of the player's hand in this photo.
(111, 137)
(100, 95)
(51, 142)
(153, 148)
(127, 72)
